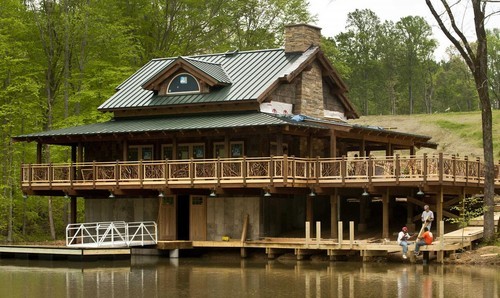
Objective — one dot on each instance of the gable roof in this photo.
(251, 74)
(212, 73)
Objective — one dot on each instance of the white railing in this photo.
(111, 234)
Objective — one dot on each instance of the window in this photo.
(140, 152)
(236, 149)
(186, 151)
(183, 83)
(167, 152)
(197, 200)
(274, 149)
(219, 150)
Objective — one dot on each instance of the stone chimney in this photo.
(299, 37)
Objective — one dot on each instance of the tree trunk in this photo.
(51, 220)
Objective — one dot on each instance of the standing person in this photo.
(403, 238)
(425, 239)
(427, 217)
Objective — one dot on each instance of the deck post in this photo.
(318, 233)
(340, 234)
(440, 253)
(409, 216)
(362, 214)
(439, 210)
(73, 210)
(308, 233)
(385, 214)
(333, 214)
(351, 234)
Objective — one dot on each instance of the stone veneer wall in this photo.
(310, 93)
(225, 217)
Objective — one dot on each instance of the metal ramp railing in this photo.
(111, 234)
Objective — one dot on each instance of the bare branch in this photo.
(468, 58)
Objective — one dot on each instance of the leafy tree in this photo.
(418, 45)
(359, 49)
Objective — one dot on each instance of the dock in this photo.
(63, 252)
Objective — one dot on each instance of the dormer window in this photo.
(183, 83)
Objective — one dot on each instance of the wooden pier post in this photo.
(351, 234)
(318, 233)
(385, 214)
(308, 233)
(440, 253)
(340, 234)
(439, 211)
(333, 214)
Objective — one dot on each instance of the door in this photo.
(167, 218)
(198, 218)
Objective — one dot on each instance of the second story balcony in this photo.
(276, 172)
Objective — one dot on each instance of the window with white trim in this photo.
(183, 83)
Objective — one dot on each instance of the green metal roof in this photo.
(171, 123)
(212, 69)
(250, 74)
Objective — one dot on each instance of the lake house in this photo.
(210, 145)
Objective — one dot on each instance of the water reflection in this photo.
(163, 277)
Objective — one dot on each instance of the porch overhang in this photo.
(153, 127)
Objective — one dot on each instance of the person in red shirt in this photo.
(425, 239)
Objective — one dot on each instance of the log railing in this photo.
(263, 170)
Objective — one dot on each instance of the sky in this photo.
(332, 16)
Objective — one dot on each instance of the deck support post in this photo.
(318, 233)
(385, 214)
(340, 234)
(73, 210)
(440, 252)
(362, 214)
(333, 215)
(409, 216)
(308, 232)
(351, 234)
(438, 218)
(309, 209)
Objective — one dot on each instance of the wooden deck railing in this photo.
(245, 172)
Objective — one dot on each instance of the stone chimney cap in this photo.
(300, 37)
(304, 24)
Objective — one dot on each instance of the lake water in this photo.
(226, 277)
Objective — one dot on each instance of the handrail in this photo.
(248, 170)
(111, 234)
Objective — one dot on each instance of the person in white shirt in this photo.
(427, 217)
(403, 238)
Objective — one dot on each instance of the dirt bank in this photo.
(487, 255)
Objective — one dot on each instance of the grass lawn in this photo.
(455, 133)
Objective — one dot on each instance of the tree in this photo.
(477, 61)
(493, 37)
(417, 46)
(359, 46)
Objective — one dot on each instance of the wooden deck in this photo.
(365, 248)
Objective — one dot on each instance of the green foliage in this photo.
(470, 208)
